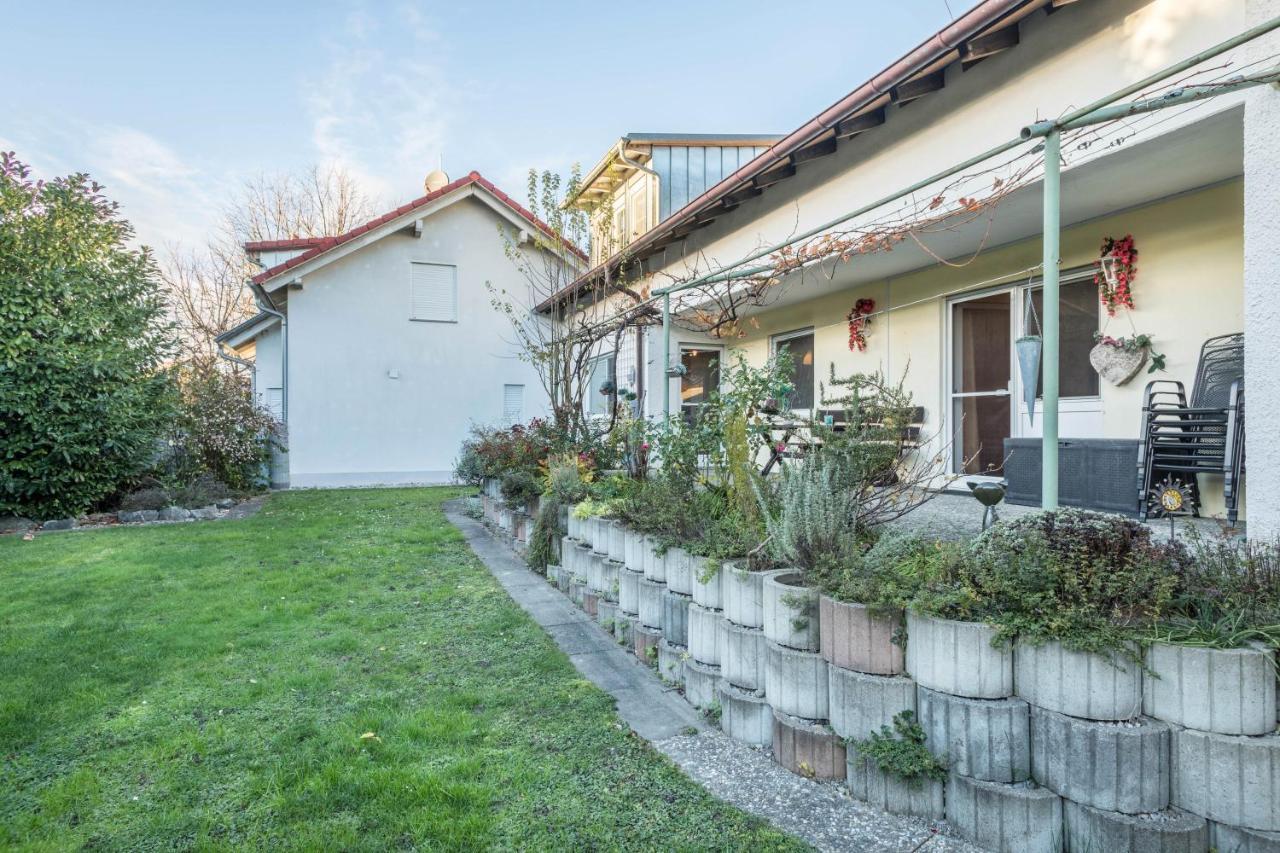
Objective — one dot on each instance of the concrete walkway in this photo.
(821, 813)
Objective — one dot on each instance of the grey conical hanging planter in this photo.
(1029, 348)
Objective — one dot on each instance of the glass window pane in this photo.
(980, 344)
(702, 375)
(984, 426)
(1078, 321)
(601, 372)
(802, 377)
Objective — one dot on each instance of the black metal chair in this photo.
(1203, 436)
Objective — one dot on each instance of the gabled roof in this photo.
(241, 333)
(988, 28)
(474, 179)
(279, 245)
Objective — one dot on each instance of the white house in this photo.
(378, 348)
(951, 281)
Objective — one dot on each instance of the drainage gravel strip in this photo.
(822, 813)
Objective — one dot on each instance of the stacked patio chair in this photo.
(1181, 438)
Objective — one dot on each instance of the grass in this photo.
(337, 672)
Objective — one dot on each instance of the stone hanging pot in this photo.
(1117, 365)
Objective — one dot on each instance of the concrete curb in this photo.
(859, 704)
(987, 739)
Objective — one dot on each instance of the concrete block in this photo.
(859, 704)
(789, 611)
(675, 617)
(919, 797)
(590, 603)
(169, 513)
(577, 591)
(679, 571)
(617, 538)
(606, 613)
(1082, 684)
(629, 591)
(671, 658)
(745, 715)
(573, 528)
(1236, 839)
(563, 581)
(600, 536)
(958, 658)
(633, 550)
(644, 642)
(655, 563)
(1021, 818)
(743, 595)
(582, 559)
(651, 602)
(1114, 766)
(796, 681)
(1228, 691)
(568, 553)
(807, 748)
(700, 681)
(1088, 829)
(705, 634)
(708, 589)
(610, 571)
(987, 739)
(853, 637)
(623, 626)
(742, 655)
(553, 574)
(595, 572)
(1230, 779)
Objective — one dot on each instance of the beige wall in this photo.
(1189, 288)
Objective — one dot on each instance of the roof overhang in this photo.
(243, 334)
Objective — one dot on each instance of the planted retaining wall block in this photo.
(1114, 766)
(1235, 839)
(633, 550)
(987, 739)
(807, 748)
(796, 681)
(623, 626)
(743, 595)
(742, 655)
(921, 797)
(700, 680)
(606, 612)
(582, 561)
(617, 541)
(675, 617)
(577, 590)
(595, 573)
(644, 642)
(1088, 829)
(1082, 684)
(852, 637)
(574, 525)
(679, 571)
(1229, 691)
(958, 658)
(859, 704)
(567, 553)
(789, 611)
(655, 564)
(563, 581)
(745, 715)
(708, 591)
(1231, 779)
(629, 592)
(600, 536)
(1021, 818)
(705, 634)
(651, 603)
(611, 572)
(553, 574)
(671, 658)
(590, 602)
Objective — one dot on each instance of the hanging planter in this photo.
(859, 318)
(1117, 268)
(1118, 360)
(1029, 348)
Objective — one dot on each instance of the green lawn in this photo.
(339, 672)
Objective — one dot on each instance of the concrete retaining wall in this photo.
(1229, 691)
(679, 571)
(655, 563)
(1021, 818)
(700, 682)
(988, 739)
(1173, 831)
(745, 715)
(920, 797)
(633, 550)
(807, 748)
(671, 658)
(743, 595)
(612, 572)
(958, 658)
(1081, 684)
(675, 617)
(742, 655)
(859, 704)
(644, 642)
(796, 681)
(1230, 779)
(707, 591)
(651, 602)
(705, 634)
(852, 637)
(1234, 839)
(629, 591)
(789, 611)
(617, 547)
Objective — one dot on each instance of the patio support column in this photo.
(1261, 286)
(666, 357)
(1052, 231)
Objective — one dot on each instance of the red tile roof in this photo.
(277, 245)
(325, 244)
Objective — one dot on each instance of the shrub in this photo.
(567, 478)
(890, 574)
(520, 488)
(813, 520)
(221, 430)
(83, 338)
(900, 751)
(546, 532)
(1228, 594)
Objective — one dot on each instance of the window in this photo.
(702, 376)
(433, 292)
(603, 370)
(800, 345)
(512, 404)
(1077, 323)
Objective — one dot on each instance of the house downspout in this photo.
(225, 354)
(622, 155)
(265, 305)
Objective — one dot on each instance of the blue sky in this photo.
(173, 105)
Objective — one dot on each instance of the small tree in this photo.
(83, 337)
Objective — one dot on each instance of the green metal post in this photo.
(666, 357)
(1052, 231)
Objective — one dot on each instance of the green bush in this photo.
(83, 339)
(1228, 594)
(900, 751)
(520, 488)
(221, 431)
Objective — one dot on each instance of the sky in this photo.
(173, 106)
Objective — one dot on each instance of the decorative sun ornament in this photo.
(1169, 499)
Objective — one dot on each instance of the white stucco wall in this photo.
(1262, 285)
(350, 421)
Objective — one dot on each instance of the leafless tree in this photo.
(318, 202)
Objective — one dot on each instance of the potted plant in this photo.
(1118, 360)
